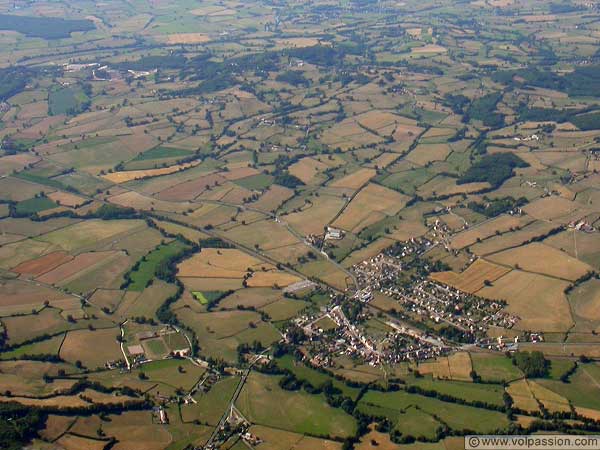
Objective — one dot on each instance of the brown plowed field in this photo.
(46, 263)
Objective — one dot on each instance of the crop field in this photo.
(314, 216)
(268, 405)
(496, 368)
(474, 278)
(74, 266)
(87, 234)
(307, 169)
(542, 259)
(494, 244)
(582, 246)
(355, 180)
(485, 230)
(181, 170)
(104, 342)
(275, 439)
(538, 300)
(424, 154)
(147, 268)
(372, 203)
(220, 263)
(456, 416)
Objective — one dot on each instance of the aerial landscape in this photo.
(298, 224)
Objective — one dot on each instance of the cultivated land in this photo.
(298, 225)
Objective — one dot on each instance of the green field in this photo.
(206, 297)
(211, 405)
(66, 100)
(313, 376)
(470, 392)
(495, 368)
(149, 264)
(162, 153)
(582, 389)
(410, 422)
(265, 403)
(255, 182)
(458, 417)
(34, 205)
(407, 181)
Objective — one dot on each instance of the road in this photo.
(123, 346)
(234, 398)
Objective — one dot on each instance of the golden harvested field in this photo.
(512, 239)
(369, 205)
(307, 169)
(543, 259)
(92, 348)
(129, 175)
(429, 48)
(377, 120)
(446, 186)
(473, 278)
(383, 441)
(211, 284)
(551, 400)
(275, 439)
(67, 199)
(220, 263)
(589, 413)
(438, 368)
(355, 180)
(58, 401)
(584, 246)
(272, 278)
(187, 38)
(188, 233)
(135, 200)
(551, 208)
(460, 366)
(489, 228)
(316, 215)
(384, 160)
(426, 153)
(266, 234)
(89, 233)
(522, 396)
(273, 198)
(16, 162)
(538, 300)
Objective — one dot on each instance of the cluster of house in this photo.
(464, 311)
(161, 415)
(582, 225)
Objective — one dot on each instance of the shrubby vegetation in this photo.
(13, 80)
(44, 27)
(533, 364)
(494, 169)
(495, 207)
(18, 425)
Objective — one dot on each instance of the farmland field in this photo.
(298, 225)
